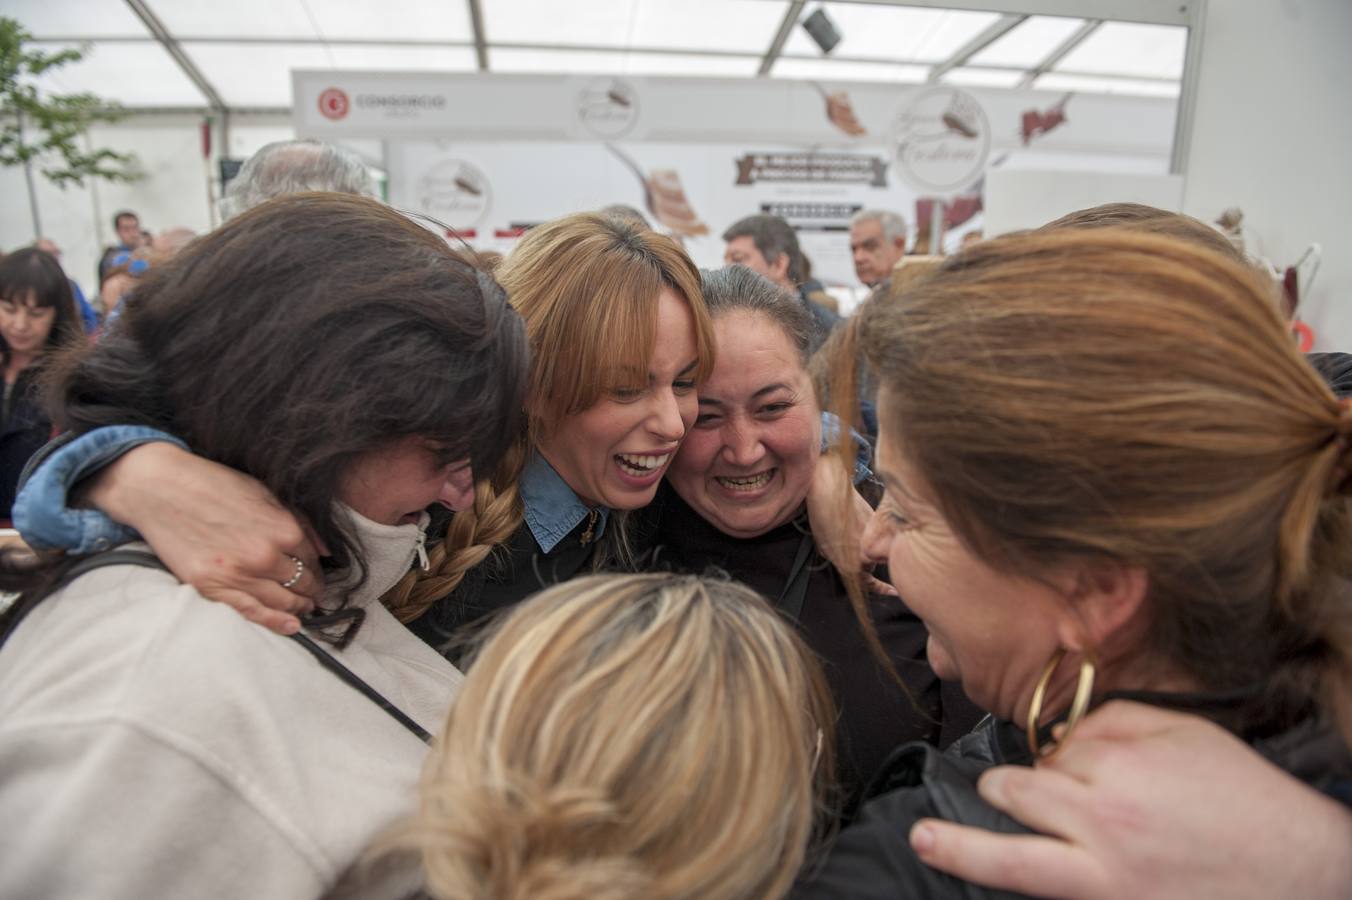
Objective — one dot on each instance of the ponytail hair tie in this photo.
(1340, 478)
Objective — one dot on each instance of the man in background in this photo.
(288, 167)
(127, 224)
(768, 246)
(877, 243)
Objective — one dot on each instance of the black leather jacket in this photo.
(872, 859)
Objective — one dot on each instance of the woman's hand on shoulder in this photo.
(216, 529)
(1145, 802)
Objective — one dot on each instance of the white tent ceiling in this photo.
(166, 54)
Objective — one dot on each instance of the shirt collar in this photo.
(552, 509)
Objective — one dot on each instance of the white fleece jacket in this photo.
(154, 744)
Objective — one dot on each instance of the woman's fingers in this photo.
(1045, 800)
(1027, 864)
(875, 585)
(247, 605)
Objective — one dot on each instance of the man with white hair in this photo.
(877, 242)
(288, 167)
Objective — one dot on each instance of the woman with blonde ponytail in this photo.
(638, 737)
(1109, 475)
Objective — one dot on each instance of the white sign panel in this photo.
(491, 155)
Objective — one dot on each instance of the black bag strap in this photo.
(125, 557)
(353, 680)
(791, 599)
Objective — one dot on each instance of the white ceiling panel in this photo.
(731, 25)
(893, 32)
(1121, 48)
(400, 58)
(735, 25)
(133, 73)
(446, 20)
(974, 77)
(845, 70)
(187, 19)
(313, 19)
(507, 59)
(1056, 81)
(1029, 43)
(690, 64)
(257, 75)
(75, 18)
(501, 59)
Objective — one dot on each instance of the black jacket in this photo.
(873, 860)
(875, 716)
(509, 575)
(24, 428)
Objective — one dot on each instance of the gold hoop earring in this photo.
(1084, 689)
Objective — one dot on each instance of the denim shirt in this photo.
(41, 510)
(553, 510)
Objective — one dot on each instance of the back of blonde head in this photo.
(1109, 394)
(641, 736)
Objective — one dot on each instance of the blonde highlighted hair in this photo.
(587, 287)
(1110, 394)
(629, 736)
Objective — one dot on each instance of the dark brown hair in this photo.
(298, 336)
(1108, 394)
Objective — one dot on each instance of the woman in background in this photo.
(37, 317)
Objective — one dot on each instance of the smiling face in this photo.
(746, 465)
(394, 484)
(615, 452)
(24, 324)
(988, 629)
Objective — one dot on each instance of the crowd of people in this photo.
(583, 572)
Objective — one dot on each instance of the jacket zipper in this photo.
(423, 562)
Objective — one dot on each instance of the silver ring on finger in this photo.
(295, 578)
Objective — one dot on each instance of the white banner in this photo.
(490, 155)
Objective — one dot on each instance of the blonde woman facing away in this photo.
(637, 736)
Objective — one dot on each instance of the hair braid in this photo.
(473, 535)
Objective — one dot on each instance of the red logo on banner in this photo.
(333, 104)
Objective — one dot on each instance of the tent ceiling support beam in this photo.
(476, 21)
(997, 29)
(1147, 12)
(156, 27)
(1061, 51)
(781, 36)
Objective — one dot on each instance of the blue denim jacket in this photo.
(552, 510)
(41, 510)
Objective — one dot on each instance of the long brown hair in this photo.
(587, 287)
(1107, 394)
(623, 736)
